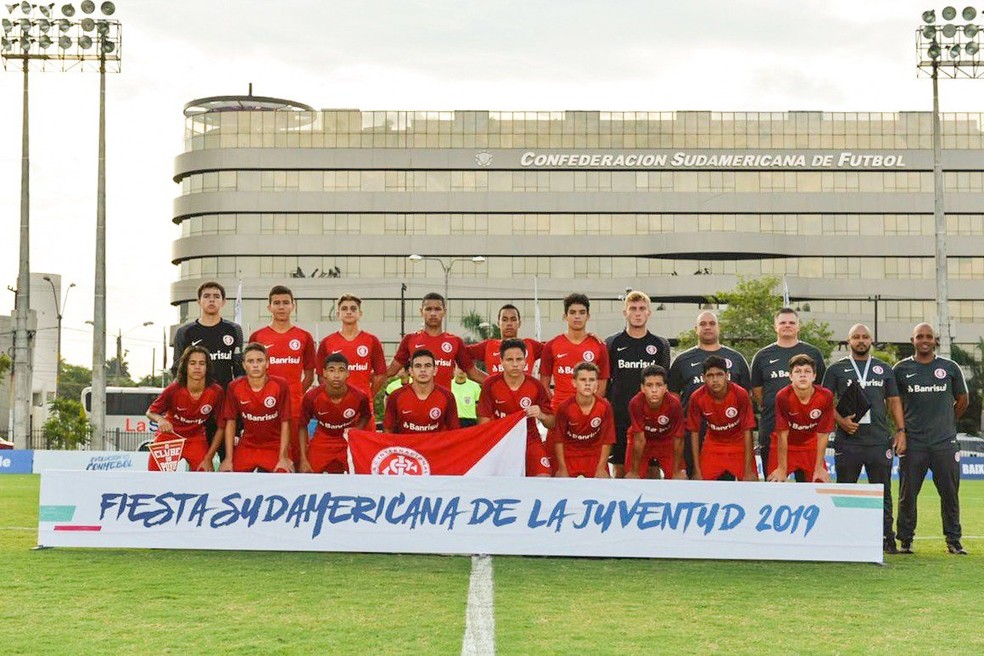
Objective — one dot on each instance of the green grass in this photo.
(90, 601)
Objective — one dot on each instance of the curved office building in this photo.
(678, 204)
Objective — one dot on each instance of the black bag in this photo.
(853, 402)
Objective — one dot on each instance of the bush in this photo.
(66, 427)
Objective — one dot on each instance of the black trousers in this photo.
(617, 456)
(877, 462)
(913, 465)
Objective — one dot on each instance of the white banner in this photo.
(466, 515)
(91, 460)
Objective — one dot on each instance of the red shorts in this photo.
(661, 451)
(193, 452)
(798, 458)
(537, 460)
(248, 458)
(716, 460)
(328, 455)
(582, 462)
(293, 448)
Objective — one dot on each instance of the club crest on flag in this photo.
(167, 454)
(400, 461)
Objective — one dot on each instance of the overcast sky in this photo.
(732, 55)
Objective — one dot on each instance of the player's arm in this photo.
(750, 473)
(757, 395)
(230, 438)
(680, 464)
(285, 463)
(476, 374)
(895, 408)
(545, 381)
(779, 474)
(304, 465)
(548, 420)
(561, 462)
(847, 424)
(638, 442)
(156, 411)
(602, 470)
(960, 406)
(819, 469)
(376, 384)
(602, 388)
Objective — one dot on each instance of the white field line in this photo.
(479, 637)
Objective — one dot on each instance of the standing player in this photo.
(262, 402)
(466, 394)
(934, 395)
(184, 408)
(866, 441)
(513, 390)
(769, 372)
(362, 350)
(422, 406)
(488, 351)
(336, 406)
(724, 411)
(657, 428)
(222, 338)
(447, 348)
(686, 374)
(290, 354)
(585, 428)
(804, 419)
(629, 352)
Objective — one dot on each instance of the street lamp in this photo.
(119, 348)
(33, 36)
(954, 50)
(477, 259)
(59, 312)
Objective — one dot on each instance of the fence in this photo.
(116, 440)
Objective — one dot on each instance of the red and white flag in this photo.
(167, 454)
(496, 448)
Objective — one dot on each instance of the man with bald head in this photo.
(934, 395)
(685, 375)
(867, 440)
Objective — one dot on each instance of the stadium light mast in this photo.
(477, 259)
(952, 49)
(32, 37)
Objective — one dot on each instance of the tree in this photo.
(66, 427)
(476, 332)
(162, 380)
(5, 364)
(120, 379)
(72, 380)
(970, 422)
(747, 319)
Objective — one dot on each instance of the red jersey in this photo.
(560, 356)
(447, 349)
(289, 355)
(187, 414)
(334, 417)
(663, 423)
(488, 352)
(804, 420)
(262, 411)
(364, 354)
(726, 420)
(405, 413)
(585, 431)
(498, 400)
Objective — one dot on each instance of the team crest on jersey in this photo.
(728, 362)
(731, 412)
(447, 347)
(228, 340)
(349, 413)
(525, 402)
(878, 369)
(956, 456)
(815, 413)
(651, 349)
(588, 356)
(363, 350)
(596, 422)
(205, 409)
(940, 373)
(663, 420)
(888, 454)
(435, 413)
(269, 401)
(400, 461)
(545, 461)
(295, 345)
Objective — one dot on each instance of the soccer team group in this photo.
(612, 407)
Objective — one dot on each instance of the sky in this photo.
(656, 55)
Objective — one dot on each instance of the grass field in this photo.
(85, 601)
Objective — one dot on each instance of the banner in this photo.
(462, 515)
(496, 448)
(90, 460)
(16, 461)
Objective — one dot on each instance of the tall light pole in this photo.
(952, 49)
(59, 313)
(34, 38)
(478, 259)
(119, 348)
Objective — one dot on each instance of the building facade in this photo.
(677, 204)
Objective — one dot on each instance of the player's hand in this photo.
(305, 467)
(820, 475)
(165, 426)
(680, 475)
(562, 472)
(632, 473)
(899, 443)
(602, 472)
(206, 464)
(226, 465)
(698, 476)
(533, 412)
(849, 425)
(751, 476)
(284, 464)
(777, 476)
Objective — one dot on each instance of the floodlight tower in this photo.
(953, 49)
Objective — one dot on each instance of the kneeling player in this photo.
(423, 406)
(726, 411)
(512, 391)
(656, 430)
(585, 428)
(804, 420)
(336, 407)
(263, 404)
(184, 407)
